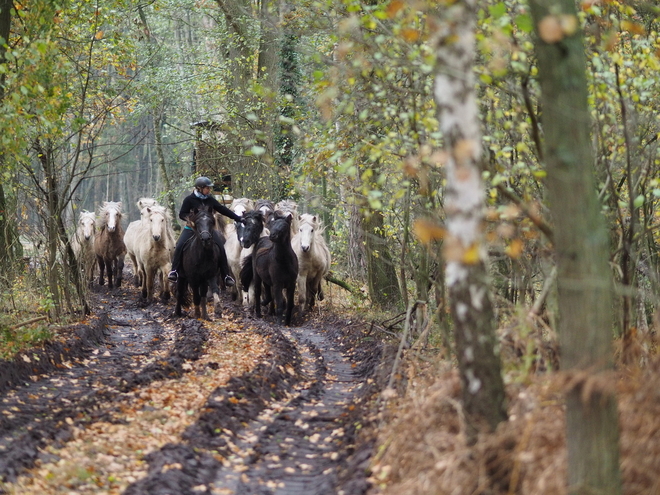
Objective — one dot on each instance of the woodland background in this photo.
(330, 103)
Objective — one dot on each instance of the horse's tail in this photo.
(246, 272)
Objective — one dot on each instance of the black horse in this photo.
(199, 265)
(273, 264)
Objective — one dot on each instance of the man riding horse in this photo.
(201, 196)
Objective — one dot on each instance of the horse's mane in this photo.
(145, 202)
(287, 205)
(264, 202)
(309, 218)
(160, 209)
(246, 203)
(193, 214)
(87, 214)
(108, 205)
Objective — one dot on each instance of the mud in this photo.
(295, 424)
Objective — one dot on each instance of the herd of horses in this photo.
(271, 252)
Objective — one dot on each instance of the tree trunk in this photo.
(463, 248)
(581, 244)
(164, 176)
(9, 245)
(381, 274)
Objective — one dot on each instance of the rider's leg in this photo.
(223, 264)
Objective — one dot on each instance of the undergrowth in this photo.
(24, 308)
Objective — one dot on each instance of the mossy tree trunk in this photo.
(581, 244)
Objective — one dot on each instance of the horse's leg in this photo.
(148, 284)
(278, 297)
(290, 290)
(101, 263)
(257, 294)
(217, 308)
(136, 271)
(164, 283)
(203, 300)
(119, 270)
(111, 272)
(310, 290)
(197, 298)
(181, 288)
(302, 291)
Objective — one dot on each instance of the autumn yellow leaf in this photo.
(411, 166)
(427, 230)
(410, 34)
(554, 28)
(633, 27)
(471, 255)
(99, 35)
(515, 248)
(394, 8)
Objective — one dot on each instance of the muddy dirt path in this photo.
(277, 410)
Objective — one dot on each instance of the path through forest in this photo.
(135, 401)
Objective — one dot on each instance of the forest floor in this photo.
(136, 401)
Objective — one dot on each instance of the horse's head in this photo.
(266, 207)
(280, 227)
(157, 218)
(308, 229)
(87, 224)
(241, 206)
(145, 202)
(110, 215)
(202, 222)
(250, 229)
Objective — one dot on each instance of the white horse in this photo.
(145, 202)
(289, 207)
(241, 206)
(83, 243)
(131, 234)
(313, 260)
(153, 244)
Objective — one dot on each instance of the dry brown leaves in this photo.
(423, 449)
(105, 457)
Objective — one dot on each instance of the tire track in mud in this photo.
(287, 427)
(83, 382)
(297, 449)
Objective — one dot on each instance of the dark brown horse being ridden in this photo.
(273, 264)
(109, 244)
(199, 264)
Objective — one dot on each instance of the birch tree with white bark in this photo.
(453, 29)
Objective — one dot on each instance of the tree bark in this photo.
(464, 249)
(10, 246)
(381, 274)
(581, 244)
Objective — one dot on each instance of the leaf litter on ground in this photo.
(105, 457)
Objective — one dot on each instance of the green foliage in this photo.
(23, 300)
